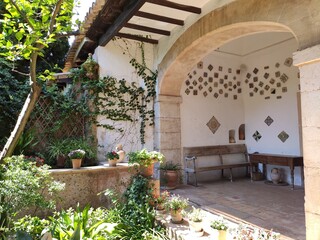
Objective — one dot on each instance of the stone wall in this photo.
(83, 185)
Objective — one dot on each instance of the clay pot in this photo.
(171, 178)
(76, 163)
(195, 226)
(275, 175)
(61, 159)
(112, 162)
(146, 171)
(176, 216)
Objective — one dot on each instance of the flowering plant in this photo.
(219, 224)
(76, 154)
(195, 215)
(112, 155)
(244, 232)
(162, 198)
(176, 203)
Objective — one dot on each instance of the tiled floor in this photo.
(271, 207)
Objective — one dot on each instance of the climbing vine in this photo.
(114, 99)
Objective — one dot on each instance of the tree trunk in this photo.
(21, 122)
(25, 112)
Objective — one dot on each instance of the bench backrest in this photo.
(214, 150)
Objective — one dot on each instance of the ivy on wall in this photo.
(114, 99)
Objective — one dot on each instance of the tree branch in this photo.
(54, 14)
(22, 73)
(22, 14)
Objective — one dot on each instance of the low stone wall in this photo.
(83, 185)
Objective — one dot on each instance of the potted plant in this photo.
(76, 156)
(175, 205)
(145, 160)
(161, 200)
(170, 174)
(220, 228)
(112, 158)
(56, 151)
(195, 221)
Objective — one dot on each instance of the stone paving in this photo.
(267, 206)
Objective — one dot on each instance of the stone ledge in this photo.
(99, 168)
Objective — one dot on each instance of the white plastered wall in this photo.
(282, 107)
(114, 61)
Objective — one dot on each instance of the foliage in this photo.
(81, 224)
(144, 157)
(219, 224)
(195, 215)
(13, 91)
(33, 226)
(23, 185)
(28, 27)
(176, 202)
(64, 146)
(162, 198)
(112, 155)
(170, 166)
(133, 213)
(25, 143)
(35, 159)
(76, 154)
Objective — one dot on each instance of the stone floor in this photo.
(268, 206)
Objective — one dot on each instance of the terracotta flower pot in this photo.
(76, 163)
(176, 216)
(171, 178)
(146, 171)
(112, 162)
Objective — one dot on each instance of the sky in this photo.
(80, 13)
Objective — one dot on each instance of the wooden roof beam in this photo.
(147, 29)
(159, 18)
(137, 38)
(124, 17)
(177, 6)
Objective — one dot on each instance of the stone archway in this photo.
(228, 23)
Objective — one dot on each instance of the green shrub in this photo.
(22, 186)
(81, 224)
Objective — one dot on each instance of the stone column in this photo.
(308, 61)
(167, 135)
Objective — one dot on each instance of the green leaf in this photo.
(19, 36)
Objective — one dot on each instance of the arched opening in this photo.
(238, 74)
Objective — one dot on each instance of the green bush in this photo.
(22, 186)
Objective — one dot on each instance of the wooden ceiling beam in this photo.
(177, 6)
(127, 13)
(137, 38)
(147, 29)
(159, 18)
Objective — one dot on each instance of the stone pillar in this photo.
(308, 61)
(167, 135)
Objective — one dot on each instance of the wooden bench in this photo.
(192, 154)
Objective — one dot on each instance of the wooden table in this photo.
(276, 159)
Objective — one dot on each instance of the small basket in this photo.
(257, 176)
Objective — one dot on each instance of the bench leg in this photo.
(195, 179)
(222, 173)
(231, 176)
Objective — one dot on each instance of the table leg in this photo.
(251, 172)
(292, 177)
(264, 171)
